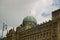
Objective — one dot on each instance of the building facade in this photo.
(30, 30)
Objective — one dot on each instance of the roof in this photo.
(29, 19)
(56, 11)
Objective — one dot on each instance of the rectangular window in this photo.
(55, 24)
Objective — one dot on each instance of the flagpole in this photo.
(2, 34)
(2, 30)
(6, 31)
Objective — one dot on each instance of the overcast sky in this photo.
(12, 12)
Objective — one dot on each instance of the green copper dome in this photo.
(29, 19)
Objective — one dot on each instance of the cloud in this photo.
(39, 7)
(13, 12)
(56, 3)
(45, 14)
(42, 9)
